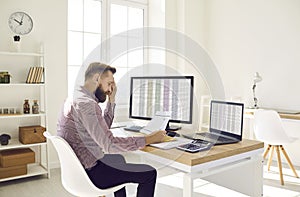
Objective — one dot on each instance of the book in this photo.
(41, 75)
(35, 74)
(38, 71)
(29, 75)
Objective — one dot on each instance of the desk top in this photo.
(282, 115)
(215, 153)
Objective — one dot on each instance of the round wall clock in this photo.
(20, 23)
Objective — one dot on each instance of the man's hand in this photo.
(155, 137)
(112, 95)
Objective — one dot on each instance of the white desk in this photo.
(236, 166)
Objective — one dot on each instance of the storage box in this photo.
(16, 157)
(32, 134)
(13, 171)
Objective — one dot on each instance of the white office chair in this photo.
(73, 176)
(269, 129)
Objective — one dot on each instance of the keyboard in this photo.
(133, 128)
(214, 137)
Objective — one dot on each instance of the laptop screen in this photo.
(226, 118)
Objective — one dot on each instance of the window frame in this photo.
(105, 27)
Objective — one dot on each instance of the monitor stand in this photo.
(172, 128)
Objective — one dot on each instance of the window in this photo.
(89, 21)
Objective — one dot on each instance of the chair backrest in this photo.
(268, 127)
(73, 176)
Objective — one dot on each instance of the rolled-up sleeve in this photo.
(109, 113)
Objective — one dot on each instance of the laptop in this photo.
(226, 123)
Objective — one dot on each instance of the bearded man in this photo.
(87, 129)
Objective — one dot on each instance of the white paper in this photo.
(158, 122)
(172, 144)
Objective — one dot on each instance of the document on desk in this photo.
(158, 122)
(172, 144)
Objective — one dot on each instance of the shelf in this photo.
(9, 123)
(21, 54)
(21, 84)
(32, 170)
(4, 116)
(15, 143)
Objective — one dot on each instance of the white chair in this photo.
(73, 176)
(269, 129)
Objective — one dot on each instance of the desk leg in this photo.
(188, 185)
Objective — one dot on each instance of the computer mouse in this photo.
(172, 134)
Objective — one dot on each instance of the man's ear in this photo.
(96, 77)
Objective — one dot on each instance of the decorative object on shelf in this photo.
(5, 77)
(5, 110)
(16, 157)
(26, 107)
(257, 79)
(35, 107)
(11, 110)
(4, 138)
(35, 75)
(17, 43)
(32, 134)
(14, 162)
(20, 23)
(13, 171)
(18, 111)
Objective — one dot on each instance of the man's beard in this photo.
(100, 94)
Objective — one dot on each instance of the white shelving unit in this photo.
(13, 95)
(204, 112)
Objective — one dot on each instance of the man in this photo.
(83, 125)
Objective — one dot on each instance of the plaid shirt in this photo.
(83, 126)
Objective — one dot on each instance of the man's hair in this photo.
(97, 67)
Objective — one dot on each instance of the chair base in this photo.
(278, 148)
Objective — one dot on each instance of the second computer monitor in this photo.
(173, 94)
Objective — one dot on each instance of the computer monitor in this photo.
(173, 94)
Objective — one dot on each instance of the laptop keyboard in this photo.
(214, 137)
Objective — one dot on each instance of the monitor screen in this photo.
(226, 117)
(173, 94)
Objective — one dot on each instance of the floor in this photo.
(169, 183)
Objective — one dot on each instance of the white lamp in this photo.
(257, 78)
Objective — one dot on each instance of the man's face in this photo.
(105, 87)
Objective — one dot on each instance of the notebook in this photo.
(226, 123)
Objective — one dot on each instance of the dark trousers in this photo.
(113, 170)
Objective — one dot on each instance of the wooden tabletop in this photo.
(215, 153)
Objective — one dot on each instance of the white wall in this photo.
(50, 27)
(252, 35)
(243, 37)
